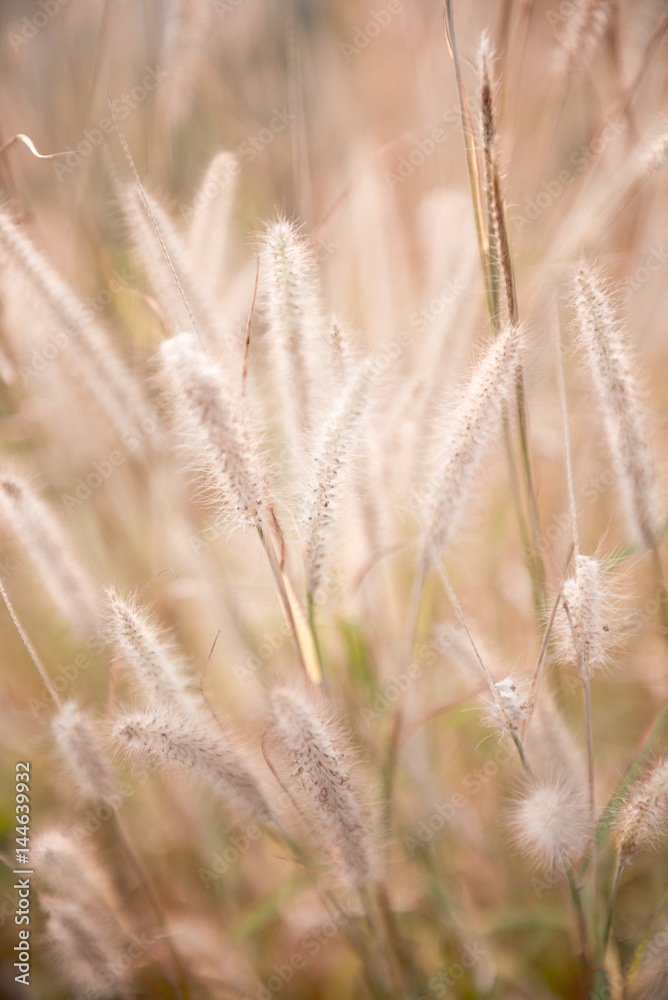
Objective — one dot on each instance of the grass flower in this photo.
(319, 769)
(610, 368)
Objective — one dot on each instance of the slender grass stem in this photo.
(314, 630)
(283, 594)
(611, 906)
(31, 652)
(580, 921)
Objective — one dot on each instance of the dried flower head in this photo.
(611, 370)
(333, 455)
(508, 711)
(166, 736)
(44, 542)
(83, 922)
(151, 658)
(81, 755)
(217, 421)
(474, 423)
(294, 316)
(641, 820)
(551, 822)
(585, 625)
(109, 383)
(321, 772)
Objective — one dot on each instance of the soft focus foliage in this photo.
(333, 497)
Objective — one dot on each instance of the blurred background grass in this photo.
(355, 114)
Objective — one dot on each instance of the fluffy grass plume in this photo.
(209, 223)
(641, 820)
(170, 738)
(151, 659)
(105, 375)
(586, 623)
(318, 767)
(474, 424)
(82, 756)
(168, 263)
(247, 284)
(83, 924)
(294, 317)
(610, 368)
(551, 822)
(212, 412)
(332, 456)
(43, 541)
